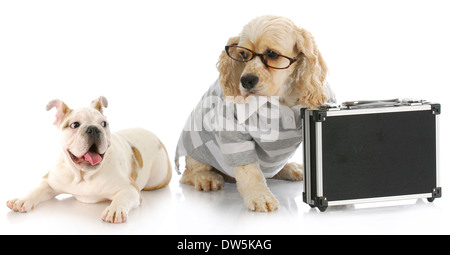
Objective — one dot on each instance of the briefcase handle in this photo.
(370, 103)
(381, 103)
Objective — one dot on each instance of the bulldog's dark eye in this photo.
(104, 124)
(74, 125)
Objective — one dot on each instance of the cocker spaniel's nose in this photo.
(249, 81)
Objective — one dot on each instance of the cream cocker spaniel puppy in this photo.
(247, 124)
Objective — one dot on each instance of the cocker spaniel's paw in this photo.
(208, 180)
(260, 200)
(291, 171)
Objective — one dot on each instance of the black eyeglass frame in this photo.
(261, 56)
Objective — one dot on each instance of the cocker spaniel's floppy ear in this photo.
(311, 71)
(230, 72)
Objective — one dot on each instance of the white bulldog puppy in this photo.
(96, 165)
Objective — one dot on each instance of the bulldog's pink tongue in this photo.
(93, 158)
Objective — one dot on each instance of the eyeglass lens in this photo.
(271, 58)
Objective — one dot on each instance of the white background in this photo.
(154, 60)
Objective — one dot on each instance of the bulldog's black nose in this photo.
(93, 131)
(249, 81)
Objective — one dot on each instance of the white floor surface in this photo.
(179, 209)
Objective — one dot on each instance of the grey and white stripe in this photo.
(224, 134)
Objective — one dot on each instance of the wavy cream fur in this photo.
(302, 83)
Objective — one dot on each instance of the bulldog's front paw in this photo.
(260, 200)
(115, 214)
(19, 205)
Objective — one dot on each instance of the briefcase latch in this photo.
(409, 101)
(330, 107)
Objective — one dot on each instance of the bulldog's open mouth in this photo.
(93, 157)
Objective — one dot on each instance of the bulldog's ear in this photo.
(61, 110)
(100, 103)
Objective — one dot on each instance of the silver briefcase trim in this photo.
(379, 110)
(378, 199)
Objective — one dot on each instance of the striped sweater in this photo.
(224, 134)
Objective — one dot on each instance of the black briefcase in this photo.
(371, 151)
